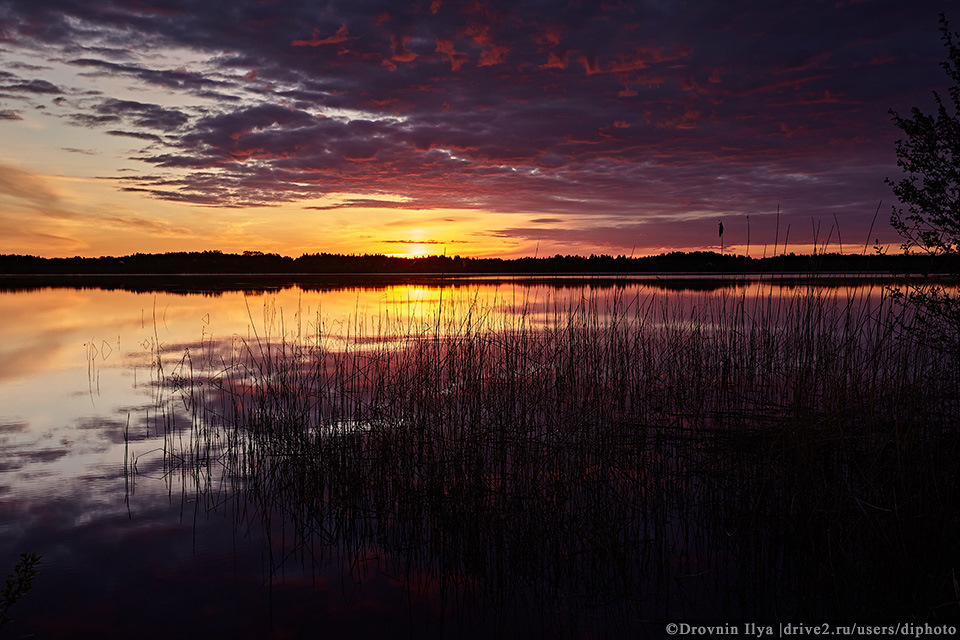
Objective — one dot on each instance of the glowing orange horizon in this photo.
(90, 218)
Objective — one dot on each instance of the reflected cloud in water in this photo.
(459, 461)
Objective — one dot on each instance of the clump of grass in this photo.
(605, 464)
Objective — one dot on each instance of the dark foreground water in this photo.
(488, 460)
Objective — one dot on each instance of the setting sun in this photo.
(417, 251)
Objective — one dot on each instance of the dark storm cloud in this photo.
(150, 116)
(136, 114)
(32, 86)
(631, 109)
(27, 66)
(172, 79)
(93, 120)
(135, 134)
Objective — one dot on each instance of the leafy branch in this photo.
(18, 584)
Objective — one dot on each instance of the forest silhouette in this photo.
(259, 263)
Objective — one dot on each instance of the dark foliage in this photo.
(930, 189)
(929, 155)
(18, 584)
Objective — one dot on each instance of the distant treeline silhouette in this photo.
(255, 262)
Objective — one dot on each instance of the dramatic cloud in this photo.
(33, 86)
(135, 134)
(619, 115)
(170, 79)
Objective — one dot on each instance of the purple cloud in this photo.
(32, 86)
(626, 114)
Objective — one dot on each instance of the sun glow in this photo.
(417, 251)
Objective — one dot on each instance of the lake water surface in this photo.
(123, 465)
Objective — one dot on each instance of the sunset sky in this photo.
(474, 128)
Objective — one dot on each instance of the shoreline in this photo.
(313, 281)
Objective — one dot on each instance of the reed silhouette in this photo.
(599, 468)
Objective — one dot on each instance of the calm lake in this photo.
(484, 459)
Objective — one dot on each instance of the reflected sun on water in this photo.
(505, 458)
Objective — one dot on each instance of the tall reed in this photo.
(603, 465)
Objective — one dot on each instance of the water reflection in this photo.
(473, 460)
